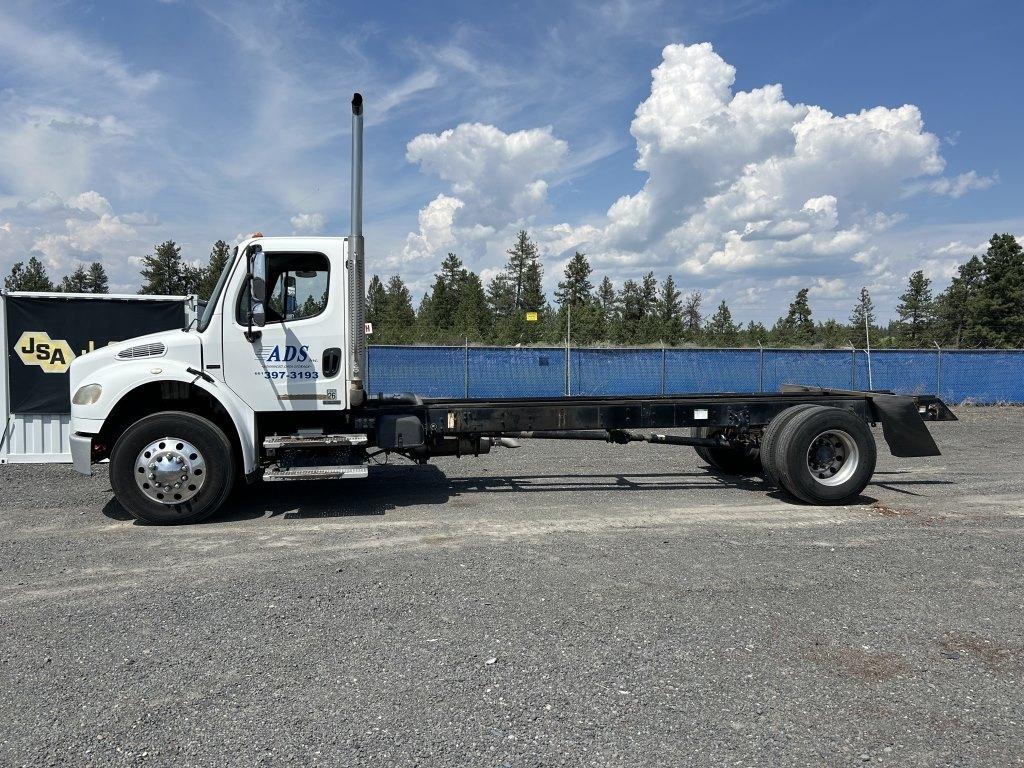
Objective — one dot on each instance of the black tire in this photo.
(826, 427)
(207, 437)
(770, 440)
(732, 461)
(702, 452)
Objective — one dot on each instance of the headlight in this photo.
(87, 395)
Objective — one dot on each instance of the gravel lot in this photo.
(563, 604)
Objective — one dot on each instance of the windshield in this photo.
(211, 304)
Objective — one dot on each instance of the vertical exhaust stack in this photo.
(356, 265)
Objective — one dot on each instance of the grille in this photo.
(143, 350)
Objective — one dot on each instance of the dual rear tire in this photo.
(818, 454)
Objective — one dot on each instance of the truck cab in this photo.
(266, 356)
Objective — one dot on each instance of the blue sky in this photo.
(892, 143)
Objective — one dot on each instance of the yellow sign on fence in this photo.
(531, 317)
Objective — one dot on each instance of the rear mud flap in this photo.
(903, 428)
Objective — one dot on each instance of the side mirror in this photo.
(258, 287)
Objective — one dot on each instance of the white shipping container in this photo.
(42, 438)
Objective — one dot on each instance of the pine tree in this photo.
(833, 334)
(165, 274)
(533, 300)
(797, 327)
(670, 312)
(517, 290)
(755, 334)
(437, 315)
(472, 319)
(1000, 304)
(630, 313)
(501, 305)
(97, 281)
(721, 330)
(376, 298)
(577, 291)
(956, 308)
(915, 311)
(310, 307)
(28, 278)
(456, 307)
(520, 257)
(649, 326)
(607, 309)
(76, 282)
(219, 255)
(863, 313)
(693, 321)
(397, 315)
(576, 287)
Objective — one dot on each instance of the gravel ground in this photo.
(563, 604)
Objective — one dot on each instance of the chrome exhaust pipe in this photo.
(356, 264)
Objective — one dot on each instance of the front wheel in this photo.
(172, 467)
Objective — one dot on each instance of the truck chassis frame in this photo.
(741, 416)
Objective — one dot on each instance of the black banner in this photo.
(46, 334)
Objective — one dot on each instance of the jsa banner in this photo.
(46, 334)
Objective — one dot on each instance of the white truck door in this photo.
(297, 363)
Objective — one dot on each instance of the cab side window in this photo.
(297, 287)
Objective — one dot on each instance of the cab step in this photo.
(281, 442)
(275, 472)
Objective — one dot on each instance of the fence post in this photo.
(853, 367)
(465, 363)
(664, 372)
(938, 369)
(760, 367)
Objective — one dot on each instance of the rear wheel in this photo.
(732, 461)
(770, 439)
(172, 467)
(825, 455)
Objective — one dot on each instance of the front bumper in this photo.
(81, 453)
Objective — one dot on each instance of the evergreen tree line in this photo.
(164, 273)
(982, 307)
(33, 277)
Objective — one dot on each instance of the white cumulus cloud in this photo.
(737, 183)
(82, 228)
(498, 181)
(308, 223)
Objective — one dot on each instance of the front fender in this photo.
(124, 378)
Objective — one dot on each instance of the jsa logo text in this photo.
(37, 348)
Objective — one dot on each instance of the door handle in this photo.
(330, 363)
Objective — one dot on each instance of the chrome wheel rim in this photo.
(170, 471)
(832, 457)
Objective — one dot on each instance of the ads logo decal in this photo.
(37, 348)
(286, 354)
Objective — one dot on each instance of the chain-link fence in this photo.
(982, 376)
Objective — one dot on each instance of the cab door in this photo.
(295, 361)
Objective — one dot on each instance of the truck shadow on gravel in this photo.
(402, 486)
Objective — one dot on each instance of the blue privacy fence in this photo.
(982, 376)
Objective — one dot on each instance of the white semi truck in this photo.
(268, 385)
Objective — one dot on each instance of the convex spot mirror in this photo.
(258, 286)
